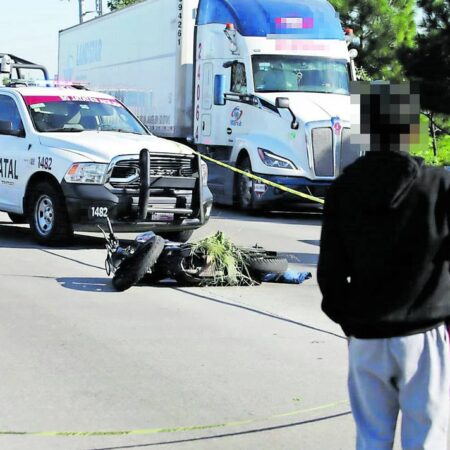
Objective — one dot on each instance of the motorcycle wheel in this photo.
(259, 262)
(133, 269)
(258, 267)
(185, 278)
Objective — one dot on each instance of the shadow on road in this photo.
(19, 236)
(306, 217)
(258, 311)
(225, 435)
(310, 242)
(305, 259)
(105, 284)
(77, 261)
(87, 284)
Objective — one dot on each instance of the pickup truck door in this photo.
(13, 152)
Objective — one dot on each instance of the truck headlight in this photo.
(89, 173)
(204, 169)
(272, 160)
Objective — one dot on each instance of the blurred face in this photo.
(385, 116)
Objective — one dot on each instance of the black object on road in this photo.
(212, 261)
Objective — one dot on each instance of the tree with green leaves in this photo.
(382, 26)
(117, 4)
(429, 61)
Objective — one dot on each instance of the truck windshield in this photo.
(283, 73)
(52, 114)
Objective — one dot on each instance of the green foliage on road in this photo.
(383, 26)
(225, 261)
(117, 4)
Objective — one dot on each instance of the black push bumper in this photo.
(88, 206)
(160, 204)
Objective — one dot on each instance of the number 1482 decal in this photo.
(45, 163)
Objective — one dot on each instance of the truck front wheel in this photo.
(47, 215)
(245, 188)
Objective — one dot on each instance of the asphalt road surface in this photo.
(167, 367)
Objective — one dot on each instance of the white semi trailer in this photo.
(262, 85)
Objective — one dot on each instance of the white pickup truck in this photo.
(71, 157)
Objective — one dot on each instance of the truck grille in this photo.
(125, 174)
(322, 144)
(349, 152)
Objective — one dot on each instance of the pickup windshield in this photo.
(283, 73)
(51, 114)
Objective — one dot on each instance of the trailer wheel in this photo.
(47, 215)
(245, 187)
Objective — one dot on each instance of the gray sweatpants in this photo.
(410, 374)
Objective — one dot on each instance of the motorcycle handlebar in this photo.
(110, 229)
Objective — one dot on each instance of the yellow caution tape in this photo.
(262, 180)
(147, 431)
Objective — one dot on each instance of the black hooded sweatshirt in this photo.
(385, 247)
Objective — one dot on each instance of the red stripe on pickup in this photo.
(33, 99)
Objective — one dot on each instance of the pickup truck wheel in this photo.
(178, 236)
(47, 215)
(245, 188)
(18, 218)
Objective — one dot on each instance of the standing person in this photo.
(384, 275)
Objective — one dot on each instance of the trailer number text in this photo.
(198, 90)
(180, 21)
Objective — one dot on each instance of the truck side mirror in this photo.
(228, 64)
(353, 53)
(282, 103)
(219, 90)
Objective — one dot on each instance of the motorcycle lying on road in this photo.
(150, 258)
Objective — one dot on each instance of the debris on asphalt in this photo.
(288, 277)
(212, 261)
